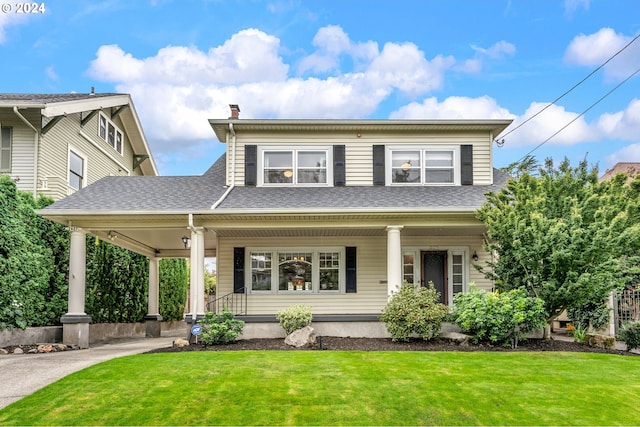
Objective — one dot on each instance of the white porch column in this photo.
(153, 318)
(75, 329)
(197, 273)
(394, 258)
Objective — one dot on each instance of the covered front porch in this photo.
(388, 248)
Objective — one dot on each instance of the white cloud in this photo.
(594, 49)
(454, 107)
(179, 88)
(497, 51)
(623, 124)
(51, 74)
(10, 19)
(628, 153)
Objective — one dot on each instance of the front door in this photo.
(434, 269)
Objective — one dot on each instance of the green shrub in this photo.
(220, 328)
(589, 316)
(498, 318)
(630, 334)
(414, 309)
(294, 317)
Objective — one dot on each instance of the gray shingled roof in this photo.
(199, 193)
(45, 98)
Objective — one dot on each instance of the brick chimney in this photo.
(235, 111)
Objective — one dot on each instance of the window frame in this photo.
(423, 151)
(8, 149)
(275, 253)
(83, 178)
(295, 168)
(104, 126)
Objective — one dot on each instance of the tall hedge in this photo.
(26, 263)
(174, 283)
(116, 283)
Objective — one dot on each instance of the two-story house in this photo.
(56, 144)
(334, 214)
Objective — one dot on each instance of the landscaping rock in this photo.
(17, 350)
(456, 337)
(600, 341)
(45, 348)
(3, 351)
(301, 337)
(180, 342)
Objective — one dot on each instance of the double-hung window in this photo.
(108, 131)
(305, 167)
(437, 165)
(5, 148)
(310, 270)
(76, 170)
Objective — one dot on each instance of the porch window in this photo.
(408, 267)
(457, 267)
(108, 131)
(300, 270)
(295, 167)
(423, 166)
(5, 149)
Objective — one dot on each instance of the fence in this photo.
(626, 307)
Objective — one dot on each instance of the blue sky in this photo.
(184, 62)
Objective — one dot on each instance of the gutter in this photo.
(233, 168)
(36, 149)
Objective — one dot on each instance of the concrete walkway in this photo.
(23, 374)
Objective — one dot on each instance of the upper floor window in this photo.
(309, 166)
(108, 131)
(5, 148)
(76, 170)
(423, 166)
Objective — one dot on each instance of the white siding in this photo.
(359, 150)
(371, 295)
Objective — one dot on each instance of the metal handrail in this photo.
(235, 302)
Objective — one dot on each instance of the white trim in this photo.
(315, 273)
(116, 161)
(294, 152)
(422, 148)
(451, 251)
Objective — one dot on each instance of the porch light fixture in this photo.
(406, 166)
(475, 256)
(185, 240)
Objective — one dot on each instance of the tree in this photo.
(174, 283)
(565, 237)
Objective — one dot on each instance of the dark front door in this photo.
(434, 269)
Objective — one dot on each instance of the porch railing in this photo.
(234, 302)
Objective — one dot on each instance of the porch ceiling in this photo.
(161, 235)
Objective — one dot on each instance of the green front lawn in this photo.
(342, 388)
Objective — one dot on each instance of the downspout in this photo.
(36, 147)
(233, 168)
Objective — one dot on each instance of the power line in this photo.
(582, 114)
(568, 91)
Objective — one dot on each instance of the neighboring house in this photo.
(334, 214)
(56, 144)
(628, 168)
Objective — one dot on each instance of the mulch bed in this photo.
(385, 344)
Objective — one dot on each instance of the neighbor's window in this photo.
(108, 131)
(299, 166)
(304, 270)
(423, 166)
(5, 148)
(76, 170)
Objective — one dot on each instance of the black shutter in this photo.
(378, 165)
(339, 178)
(250, 165)
(238, 270)
(351, 272)
(466, 164)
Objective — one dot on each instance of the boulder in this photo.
(45, 348)
(456, 337)
(18, 350)
(180, 342)
(3, 351)
(600, 341)
(301, 337)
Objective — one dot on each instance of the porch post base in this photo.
(152, 325)
(75, 330)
